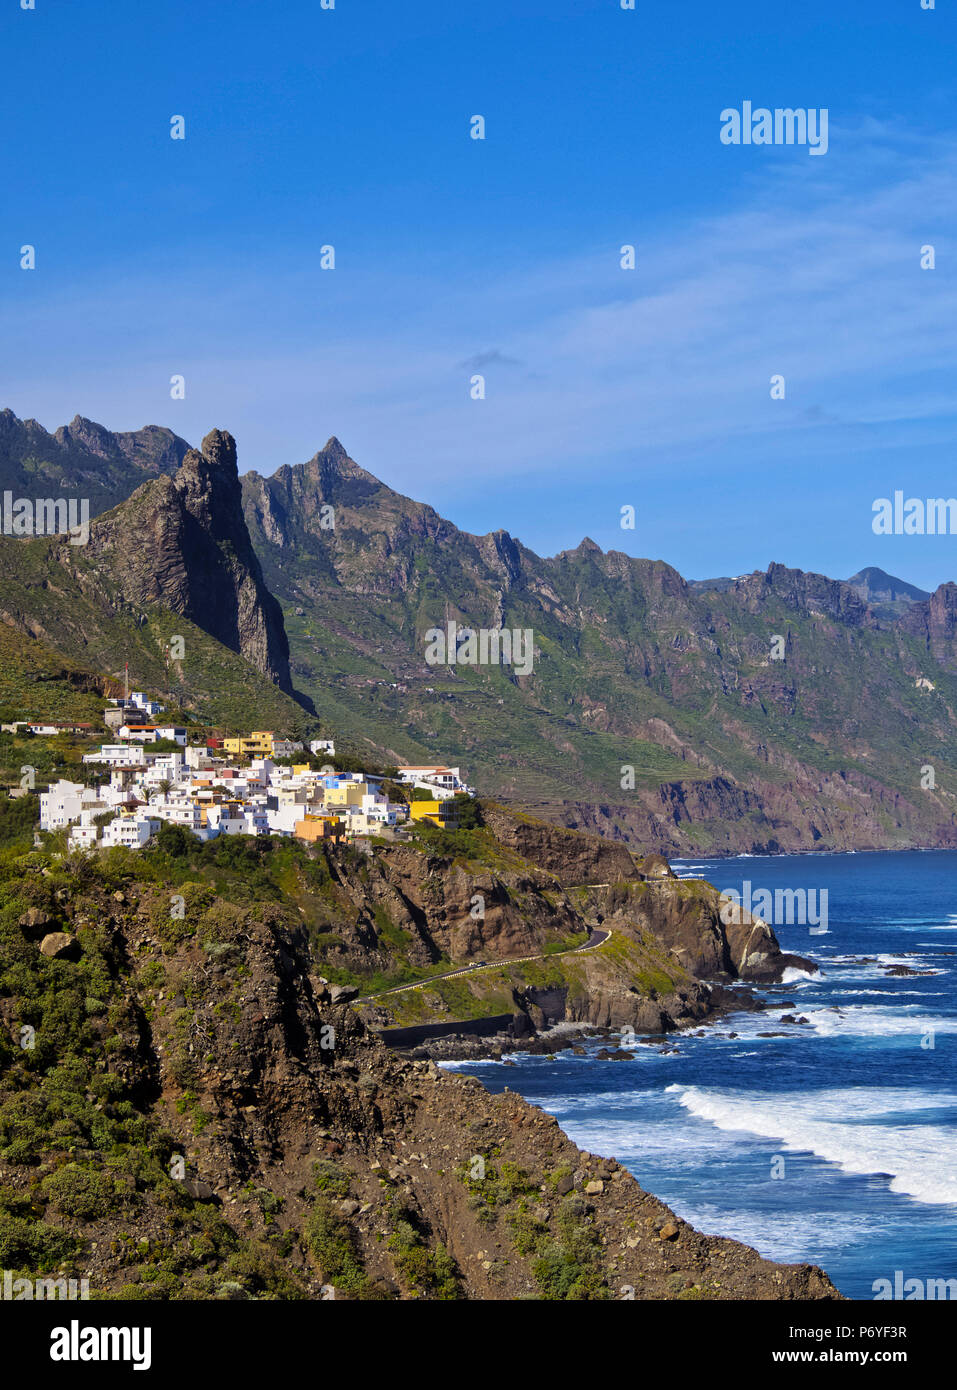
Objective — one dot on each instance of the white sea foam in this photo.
(779, 1234)
(793, 974)
(949, 925)
(898, 993)
(877, 1021)
(468, 1064)
(853, 968)
(843, 1127)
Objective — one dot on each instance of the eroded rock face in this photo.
(182, 542)
(804, 592)
(445, 908)
(667, 966)
(841, 810)
(685, 915)
(251, 1057)
(572, 858)
(934, 621)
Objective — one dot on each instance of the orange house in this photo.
(313, 828)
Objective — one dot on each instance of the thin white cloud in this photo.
(816, 278)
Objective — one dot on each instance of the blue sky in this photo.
(604, 387)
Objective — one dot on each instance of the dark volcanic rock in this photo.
(182, 542)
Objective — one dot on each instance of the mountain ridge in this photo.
(84, 455)
(731, 750)
(782, 712)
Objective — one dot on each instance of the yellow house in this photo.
(259, 744)
(346, 794)
(442, 813)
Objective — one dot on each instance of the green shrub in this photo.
(83, 1193)
(335, 1248)
(33, 1246)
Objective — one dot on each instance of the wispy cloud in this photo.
(815, 277)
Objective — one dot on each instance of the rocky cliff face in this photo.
(804, 593)
(838, 812)
(934, 622)
(182, 542)
(543, 908)
(193, 1082)
(571, 858)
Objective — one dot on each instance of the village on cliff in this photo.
(258, 784)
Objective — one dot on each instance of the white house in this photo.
(174, 732)
(117, 755)
(165, 767)
(60, 804)
(227, 819)
(178, 812)
(64, 802)
(83, 836)
(257, 821)
(442, 781)
(141, 701)
(132, 831)
(283, 819)
(285, 747)
(322, 745)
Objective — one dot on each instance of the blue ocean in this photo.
(835, 1143)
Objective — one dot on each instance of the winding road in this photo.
(598, 937)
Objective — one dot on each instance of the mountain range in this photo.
(779, 710)
(167, 584)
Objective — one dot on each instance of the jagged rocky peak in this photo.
(286, 508)
(208, 480)
(335, 469)
(586, 546)
(183, 542)
(215, 459)
(12, 426)
(152, 449)
(807, 592)
(219, 449)
(502, 552)
(96, 438)
(334, 450)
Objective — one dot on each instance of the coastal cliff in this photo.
(552, 941)
(192, 1079)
